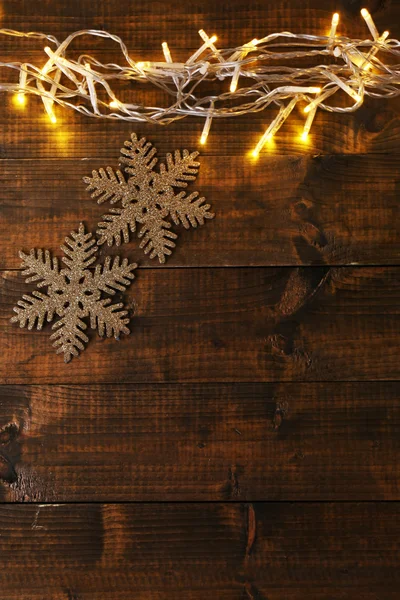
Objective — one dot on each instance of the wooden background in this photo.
(243, 442)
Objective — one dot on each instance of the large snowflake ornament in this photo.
(148, 197)
(74, 293)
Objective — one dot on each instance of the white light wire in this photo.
(266, 66)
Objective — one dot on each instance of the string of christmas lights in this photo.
(252, 77)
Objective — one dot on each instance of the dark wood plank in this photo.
(293, 210)
(205, 325)
(200, 442)
(374, 128)
(174, 551)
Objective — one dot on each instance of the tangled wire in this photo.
(251, 76)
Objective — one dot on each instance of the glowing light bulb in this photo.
(207, 125)
(48, 104)
(204, 36)
(143, 65)
(114, 104)
(208, 43)
(370, 23)
(20, 99)
(275, 125)
(332, 33)
(308, 123)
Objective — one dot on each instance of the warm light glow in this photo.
(143, 65)
(332, 33)
(20, 99)
(48, 104)
(275, 125)
(207, 125)
(309, 122)
(266, 78)
(208, 40)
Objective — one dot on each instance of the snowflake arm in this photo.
(117, 225)
(112, 276)
(189, 210)
(41, 268)
(69, 335)
(107, 185)
(156, 238)
(178, 170)
(34, 309)
(109, 319)
(139, 158)
(79, 250)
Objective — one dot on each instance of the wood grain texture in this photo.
(27, 134)
(174, 551)
(292, 210)
(204, 325)
(236, 384)
(325, 441)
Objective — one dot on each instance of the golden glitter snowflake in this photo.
(148, 197)
(74, 293)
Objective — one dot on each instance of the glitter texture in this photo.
(74, 293)
(148, 198)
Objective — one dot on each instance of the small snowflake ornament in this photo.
(74, 293)
(148, 197)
